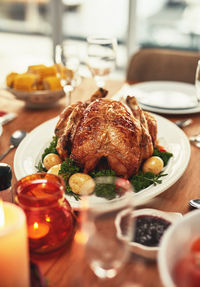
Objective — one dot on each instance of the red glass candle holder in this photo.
(50, 219)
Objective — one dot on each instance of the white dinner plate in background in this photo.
(163, 96)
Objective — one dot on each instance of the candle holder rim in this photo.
(37, 208)
(61, 185)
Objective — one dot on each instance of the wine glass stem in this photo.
(100, 82)
(198, 90)
(69, 96)
(68, 93)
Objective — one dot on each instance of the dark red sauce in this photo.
(149, 229)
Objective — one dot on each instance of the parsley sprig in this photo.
(143, 180)
(68, 167)
(69, 192)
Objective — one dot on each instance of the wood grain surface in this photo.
(69, 268)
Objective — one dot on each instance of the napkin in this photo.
(6, 117)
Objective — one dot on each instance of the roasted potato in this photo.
(153, 164)
(54, 169)
(50, 160)
(81, 183)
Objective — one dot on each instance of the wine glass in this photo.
(67, 63)
(197, 82)
(106, 249)
(101, 57)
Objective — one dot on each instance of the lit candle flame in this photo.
(48, 219)
(2, 217)
(38, 230)
(35, 225)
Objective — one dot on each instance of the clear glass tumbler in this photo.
(107, 251)
(101, 58)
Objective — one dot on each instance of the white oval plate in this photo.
(163, 97)
(29, 152)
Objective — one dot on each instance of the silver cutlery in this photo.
(15, 140)
(183, 123)
(195, 203)
(195, 140)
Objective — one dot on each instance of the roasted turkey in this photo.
(102, 130)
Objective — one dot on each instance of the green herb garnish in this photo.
(143, 180)
(51, 148)
(68, 167)
(162, 154)
(68, 191)
(106, 190)
(40, 167)
(103, 172)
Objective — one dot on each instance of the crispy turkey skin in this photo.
(103, 128)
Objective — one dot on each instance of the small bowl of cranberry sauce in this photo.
(149, 227)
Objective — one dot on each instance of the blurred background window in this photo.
(28, 28)
(171, 24)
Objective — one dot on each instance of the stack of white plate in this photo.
(163, 96)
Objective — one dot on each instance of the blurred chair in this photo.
(162, 64)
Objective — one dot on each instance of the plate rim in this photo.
(127, 87)
(142, 196)
(182, 87)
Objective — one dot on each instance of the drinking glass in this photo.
(101, 57)
(197, 82)
(67, 63)
(106, 250)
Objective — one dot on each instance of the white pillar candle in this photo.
(14, 258)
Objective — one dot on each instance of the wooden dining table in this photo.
(70, 268)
